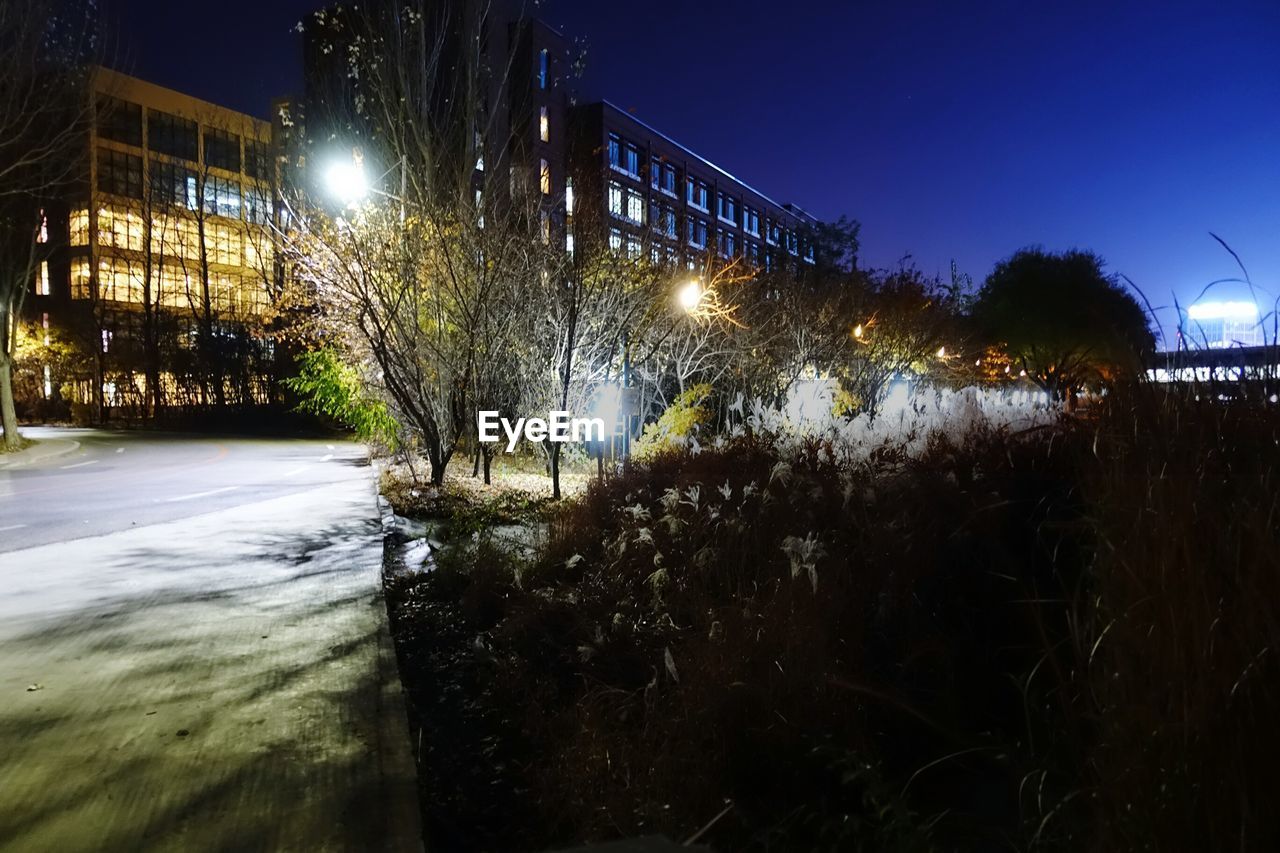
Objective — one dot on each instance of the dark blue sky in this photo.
(957, 130)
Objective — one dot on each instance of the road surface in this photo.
(194, 651)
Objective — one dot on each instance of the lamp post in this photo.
(345, 180)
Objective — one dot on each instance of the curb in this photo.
(399, 769)
(39, 451)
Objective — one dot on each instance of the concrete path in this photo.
(219, 681)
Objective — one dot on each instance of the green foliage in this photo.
(332, 389)
(676, 424)
(1062, 319)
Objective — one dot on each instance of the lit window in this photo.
(633, 247)
(543, 61)
(80, 279)
(635, 206)
(479, 152)
(615, 198)
(43, 235)
(106, 339)
(631, 163)
(568, 242)
(544, 126)
(615, 239)
(544, 177)
(42, 281)
(79, 228)
(568, 196)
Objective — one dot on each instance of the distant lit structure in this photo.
(1218, 325)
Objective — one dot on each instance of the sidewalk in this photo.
(40, 450)
(226, 682)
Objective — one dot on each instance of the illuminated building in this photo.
(166, 263)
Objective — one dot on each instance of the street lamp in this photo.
(690, 296)
(346, 182)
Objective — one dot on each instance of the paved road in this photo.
(193, 649)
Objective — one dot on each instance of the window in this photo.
(543, 62)
(726, 243)
(633, 247)
(172, 185)
(42, 236)
(544, 125)
(655, 172)
(697, 232)
(568, 243)
(119, 174)
(615, 151)
(42, 279)
(727, 208)
(631, 159)
(544, 177)
(118, 281)
(615, 239)
(171, 135)
(615, 198)
(771, 231)
(663, 218)
(120, 229)
(696, 193)
(257, 205)
(753, 253)
(119, 121)
(221, 149)
(568, 196)
(479, 152)
(751, 221)
(635, 206)
(544, 226)
(668, 179)
(223, 243)
(256, 164)
(175, 237)
(222, 196)
(80, 279)
(78, 228)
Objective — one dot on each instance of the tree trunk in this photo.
(475, 463)
(488, 461)
(555, 471)
(8, 414)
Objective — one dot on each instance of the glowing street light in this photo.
(857, 331)
(690, 296)
(942, 352)
(346, 182)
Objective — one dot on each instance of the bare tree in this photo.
(44, 45)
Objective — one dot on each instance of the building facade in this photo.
(164, 265)
(642, 191)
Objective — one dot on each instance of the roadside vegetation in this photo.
(1050, 636)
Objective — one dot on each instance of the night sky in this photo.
(950, 130)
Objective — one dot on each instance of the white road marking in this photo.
(295, 471)
(330, 446)
(12, 527)
(119, 450)
(80, 464)
(326, 458)
(200, 494)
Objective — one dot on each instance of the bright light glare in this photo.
(1223, 311)
(690, 296)
(346, 182)
(607, 406)
(942, 352)
(857, 331)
